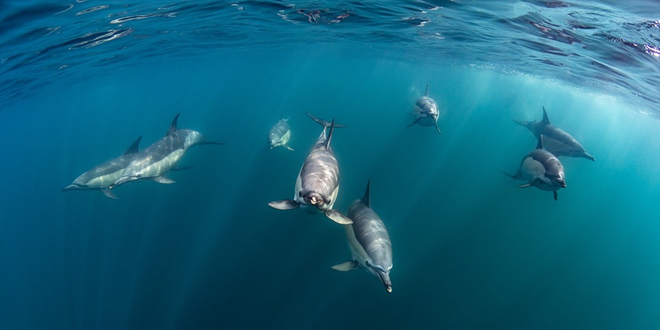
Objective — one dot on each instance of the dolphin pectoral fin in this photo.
(163, 180)
(289, 148)
(438, 128)
(285, 204)
(346, 266)
(554, 194)
(109, 194)
(509, 175)
(338, 217)
(414, 122)
(525, 185)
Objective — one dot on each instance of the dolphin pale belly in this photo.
(162, 156)
(317, 183)
(279, 135)
(426, 111)
(102, 176)
(555, 140)
(369, 241)
(541, 169)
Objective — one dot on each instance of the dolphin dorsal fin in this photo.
(134, 147)
(332, 128)
(366, 199)
(545, 116)
(539, 145)
(427, 90)
(173, 127)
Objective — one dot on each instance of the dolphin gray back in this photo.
(370, 232)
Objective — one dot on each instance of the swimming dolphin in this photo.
(162, 156)
(558, 142)
(103, 175)
(369, 241)
(542, 170)
(317, 183)
(426, 111)
(279, 135)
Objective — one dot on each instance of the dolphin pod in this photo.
(317, 184)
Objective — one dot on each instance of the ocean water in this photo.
(81, 80)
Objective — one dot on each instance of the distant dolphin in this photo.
(103, 175)
(542, 170)
(558, 142)
(162, 156)
(279, 135)
(317, 183)
(426, 111)
(369, 241)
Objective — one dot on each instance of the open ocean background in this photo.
(81, 80)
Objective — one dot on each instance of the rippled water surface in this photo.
(81, 80)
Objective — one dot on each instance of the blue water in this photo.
(82, 80)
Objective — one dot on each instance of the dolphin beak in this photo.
(385, 278)
(119, 181)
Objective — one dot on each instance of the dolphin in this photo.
(541, 169)
(103, 175)
(368, 240)
(317, 183)
(558, 142)
(426, 111)
(162, 156)
(279, 135)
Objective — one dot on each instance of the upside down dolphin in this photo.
(162, 156)
(368, 240)
(556, 141)
(103, 175)
(317, 183)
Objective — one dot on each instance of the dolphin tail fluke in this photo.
(346, 266)
(162, 179)
(324, 123)
(289, 148)
(337, 217)
(286, 204)
(133, 149)
(438, 128)
(545, 116)
(70, 187)
(554, 194)
(173, 126)
(522, 123)
(414, 122)
(109, 194)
